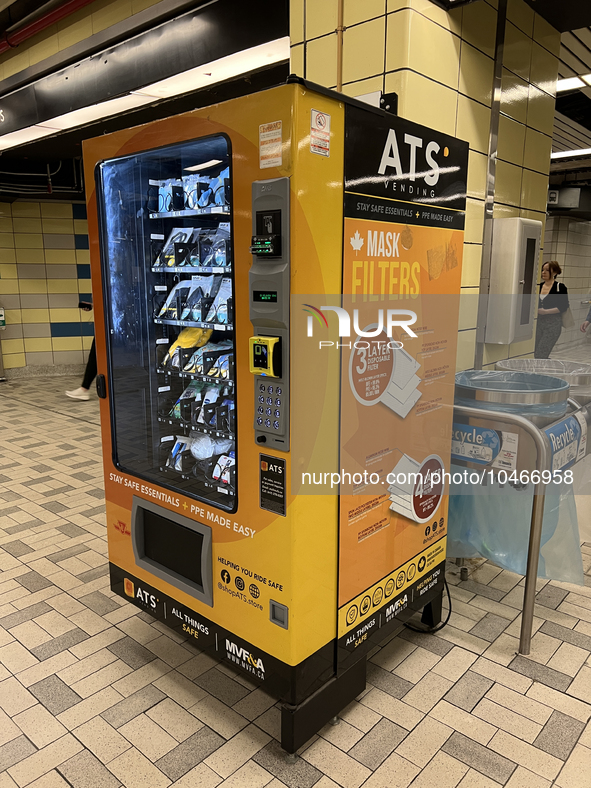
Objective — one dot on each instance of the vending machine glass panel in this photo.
(166, 243)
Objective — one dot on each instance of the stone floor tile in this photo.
(43, 761)
(180, 689)
(125, 710)
(200, 777)
(424, 741)
(254, 704)
(86, 771)
(474, 779)
(540, 673)
(14, 751)
(526, 707)
(581, 685)
(428, 692)
(30, 634)
(523, 778)
(134, 770)
(102, 678)
(416, 665)
(463, 722)
(480, 758)
(90, 707)
(342, 735)
(576, 769)
(443, 770)
(526, 755)
(14, 698)
(54, 694)
(466, 692)
(137, 679)
(52, 779)
(568, 659)
(39, 725)
(221, 686)
(551, 596)
(507, 720)
(373, 749)
(480, 589)
(185, 756)
(359, 716)
(174, 719)
(8, 729)
(72, 638)
(15, 657)
(148, 737)
(455, 663)
(102, 739)
(220, 718)
(391, 655)
(429, 642)
(130, 651)
(337, 765)
(559, 735)
(393, 709)
(386, 681)
(237, 751)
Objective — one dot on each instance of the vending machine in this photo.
(275, 282)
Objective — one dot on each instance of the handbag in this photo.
(568, 320)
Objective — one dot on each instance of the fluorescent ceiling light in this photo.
(219, 70)
(569, 84)
(22, 136)
(80, 117)
(204, 166)
(568, 154)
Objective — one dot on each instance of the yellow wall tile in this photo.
(30, 255)
(74, 28)
(417, 43)
(468, 313)
(43, 46)
(477, 174)
(33, 286)
(28, 225)
(296, 21)
(61, 256)
(35, 315)
(356, 11)
(474, 221)
(87, 343)
(8, 271)
(476, 74)
(84, 286)
(471, 265)
(25, 208)
(508, 183)
(494, 353)
(511, 140)
(417, 96)
(479, 26)
(321, 18)
(64, 226)
(12, 346)
(540, 110)
(56, 210)
(109, 13)
(521, 15)
(9, 286)
(296, 60)
(544, 69)
(465, 351)
(28, 240)
(37, 344)
(546, 35)
(64, 315)
(371, 85)
(537, 151)
(473, 123)
(7, 256)
(517, 52)
(86, 317)
(82, 256)
(67, 343)
(5, 209)
(534, 190)
(321, 61)
(501, 211)
(14, 360)
(62, 286)
(362, 57)
(141, 5)
(13, 317)
(6, 240)
(15, 63)
(6, 225)
(514, 96)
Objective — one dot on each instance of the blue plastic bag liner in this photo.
(512, 392)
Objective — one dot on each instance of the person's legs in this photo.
(89, 376)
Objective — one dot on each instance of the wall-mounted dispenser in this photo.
(514, 264)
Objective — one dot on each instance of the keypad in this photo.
(262, 387)
(260, 409)
(261, 399)
(270, 389)
(269, 408)
(268, 411)
(269, 400)
(259, 421)
(267, 422)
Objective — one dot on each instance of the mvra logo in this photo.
(387, 321)
(245, 656)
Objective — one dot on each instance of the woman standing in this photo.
(553, 301)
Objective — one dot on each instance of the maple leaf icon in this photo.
(356, 241)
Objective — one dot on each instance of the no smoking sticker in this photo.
(320, 133)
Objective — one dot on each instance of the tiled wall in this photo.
(75, 28)
(441, 66)
(44, 273)
(568, 241)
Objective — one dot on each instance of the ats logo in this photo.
(122, 527)
(244, 659)
(144, 598)
(269, 466)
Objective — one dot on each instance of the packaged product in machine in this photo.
(218, 312)
(193, 391)
(188, 338)
(215, 245)
(202, 447)
(221, 471)
(196, 363)
(177, 457)
(205, 287)
(210, 397)
(218, 187)
(167, 257)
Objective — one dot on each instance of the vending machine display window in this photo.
(166, 243)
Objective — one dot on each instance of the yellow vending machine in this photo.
(276, 284)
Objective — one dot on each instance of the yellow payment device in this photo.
(264, 356)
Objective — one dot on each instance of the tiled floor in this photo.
(94, 693)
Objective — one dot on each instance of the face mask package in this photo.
(215, 246)
(169, 310)
(193, 392)
(218, 312)
(218, 187)
(205, 446)
(196, 363)
(167, 257)
(203, 287)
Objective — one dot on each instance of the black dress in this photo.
(549, 326)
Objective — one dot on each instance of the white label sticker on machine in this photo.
(507, 456)
(320, 133)
(270, 145)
